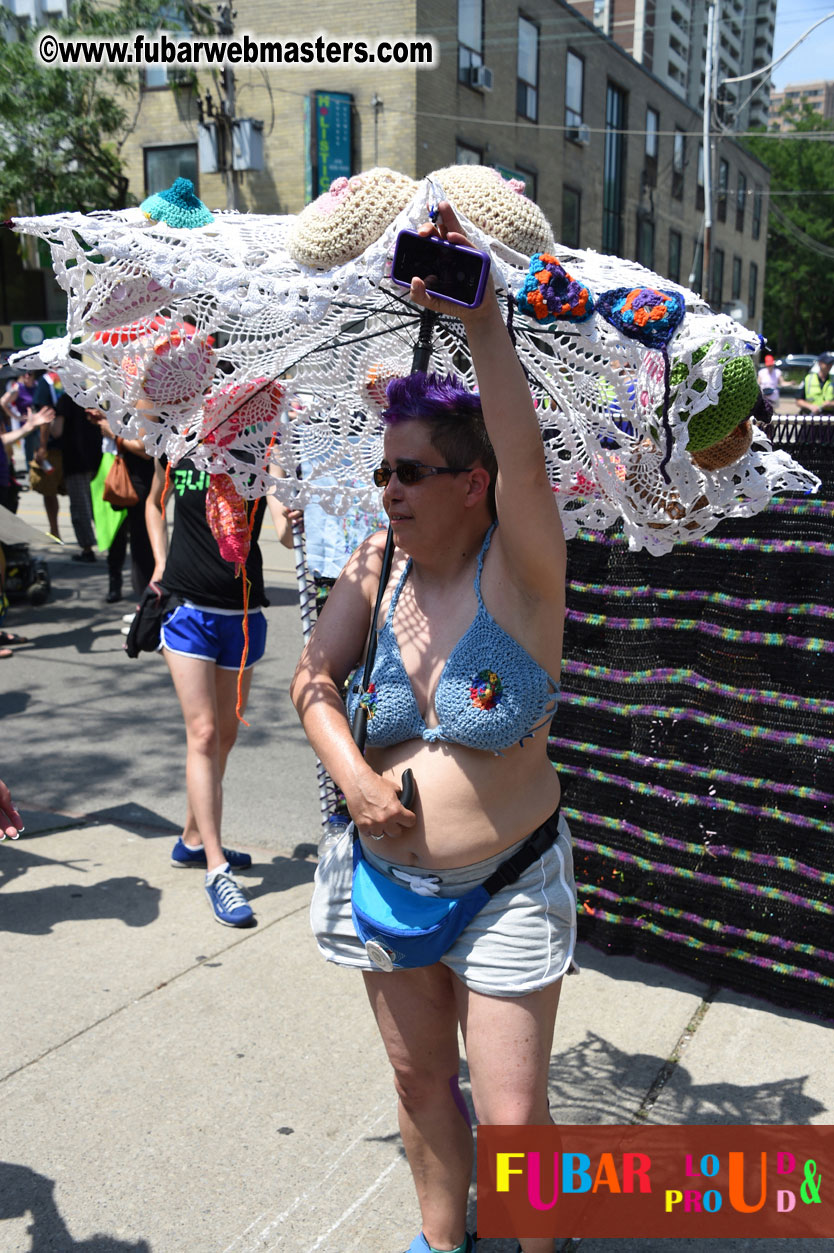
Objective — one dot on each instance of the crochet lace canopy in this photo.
(643, 393)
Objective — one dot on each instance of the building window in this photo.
(752, 289)
(717, 285)
(678, 163)
(527, 177)
(735, 293)
(470, 38)
(171, 18)
(527, 85)
(153, 77)
(650, 167)
(675, 256)
(741, 200)
(645, 241)
(163, 165)
(614, 163)
(723, 189)
(571, 209)
(757, 213)
(465, 154)
(574, 90)
(652, 127)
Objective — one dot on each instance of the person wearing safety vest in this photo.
(819, 387)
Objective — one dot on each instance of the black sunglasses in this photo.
(411, 472)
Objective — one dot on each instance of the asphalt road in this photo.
(88, 731)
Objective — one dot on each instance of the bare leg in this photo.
(50, 504)
(417, 1018)
(508, 1043)
(207, 697)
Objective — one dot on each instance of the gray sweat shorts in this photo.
(522, 940)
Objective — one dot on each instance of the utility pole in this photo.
(226, 118)
(376, 105)
(707, 146)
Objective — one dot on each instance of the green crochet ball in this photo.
(737, 399)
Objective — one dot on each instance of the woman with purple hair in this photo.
(463, 687)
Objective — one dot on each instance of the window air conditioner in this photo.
(579, 134)
(480, 76)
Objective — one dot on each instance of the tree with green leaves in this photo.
(799, 293)
(61, 128)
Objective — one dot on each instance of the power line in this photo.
(790, 228)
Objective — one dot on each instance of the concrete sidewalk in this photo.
(168, 1085)
(174, 1086)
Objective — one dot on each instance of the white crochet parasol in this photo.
(253, 341)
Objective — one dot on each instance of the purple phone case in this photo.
(483, 257)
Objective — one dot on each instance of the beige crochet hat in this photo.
(497, 205)
(349, 217)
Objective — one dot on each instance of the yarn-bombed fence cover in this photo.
(695, 743)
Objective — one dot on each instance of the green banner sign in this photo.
(330, 140)
(30, 334)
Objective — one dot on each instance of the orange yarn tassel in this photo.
(166, 488)
(245, 653)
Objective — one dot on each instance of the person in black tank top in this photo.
(203, 643)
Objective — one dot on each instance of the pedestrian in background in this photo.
(770, 380)
(819, 387)
(203, 639)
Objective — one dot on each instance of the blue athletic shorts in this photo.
(214, 635)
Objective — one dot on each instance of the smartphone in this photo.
(451, 271)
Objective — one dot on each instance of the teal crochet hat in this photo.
(177, 206)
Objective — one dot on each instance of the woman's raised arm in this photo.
(531, 529)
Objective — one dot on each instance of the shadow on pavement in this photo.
(131, 899)
(279, 875)
(23, 1191)
(599, 1083)
(281, 595)
(135, 818)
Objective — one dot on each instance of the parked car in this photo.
(794, 367)
(797, 364)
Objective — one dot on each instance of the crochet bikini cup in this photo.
(351, 215)
(491, 693)
(354, 212)
(497, 206)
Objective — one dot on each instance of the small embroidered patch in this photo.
(485, 690)
(368, 700)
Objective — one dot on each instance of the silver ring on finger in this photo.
(379, 837)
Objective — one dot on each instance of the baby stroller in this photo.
(27, 576)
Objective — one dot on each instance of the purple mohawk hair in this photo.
(428, 396)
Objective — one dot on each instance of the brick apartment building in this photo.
(819, 95)
(612, 154)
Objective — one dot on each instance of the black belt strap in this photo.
(531, 850)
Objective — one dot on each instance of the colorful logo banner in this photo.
(625, 1181)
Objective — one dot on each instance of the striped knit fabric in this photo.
(695, 743)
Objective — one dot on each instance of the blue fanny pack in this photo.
(401, 930)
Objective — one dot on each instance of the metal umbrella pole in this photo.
(328, 793)
(307, 604)
(420, 361)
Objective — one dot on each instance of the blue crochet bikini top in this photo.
(491, 694)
